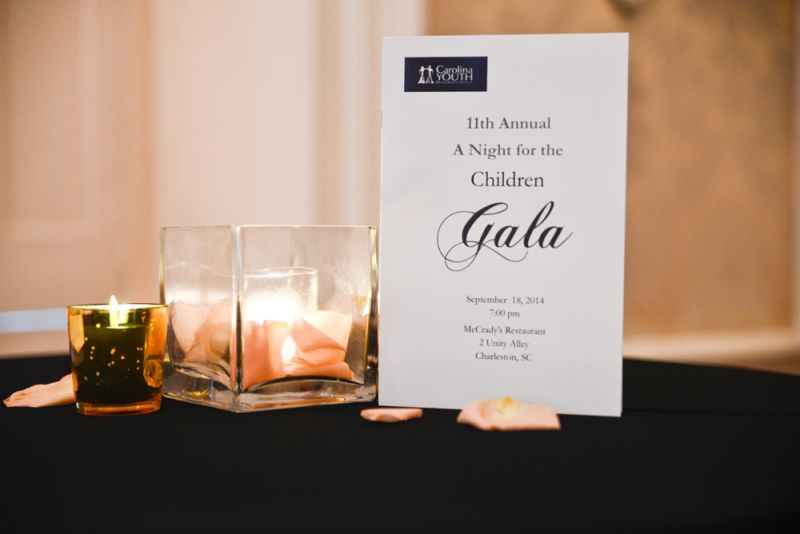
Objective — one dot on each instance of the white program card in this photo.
(503, 220)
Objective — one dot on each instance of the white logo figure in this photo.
(425, 75)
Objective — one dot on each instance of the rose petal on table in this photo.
(322, 329)
(391, 415)
(508, 414)
(40, 395)
(336, 370)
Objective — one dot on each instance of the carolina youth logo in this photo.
(425, 74)
(438, 74)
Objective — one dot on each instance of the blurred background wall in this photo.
(117, 118)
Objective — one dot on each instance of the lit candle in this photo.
(116, 313)
(266, 336)
(117, 353)
(284, 334)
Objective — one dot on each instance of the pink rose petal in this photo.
(508, 414)
(186, 320)
(322, 329)
(203, 332)
(336, 370)
(40, 395)
(262, 352)
(391, 415)
(319, 357)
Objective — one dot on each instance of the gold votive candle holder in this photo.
(117, 354)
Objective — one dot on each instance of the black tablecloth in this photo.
(697, 449)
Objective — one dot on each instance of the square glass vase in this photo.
(265, 317)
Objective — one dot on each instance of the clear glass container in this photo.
(264, 317)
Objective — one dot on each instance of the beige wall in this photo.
(234, 93)
(120, 117)
(75, 190)
(711, 205)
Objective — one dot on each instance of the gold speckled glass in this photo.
(117, 357)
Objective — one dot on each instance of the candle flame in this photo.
(116, 314)
(274, 309)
